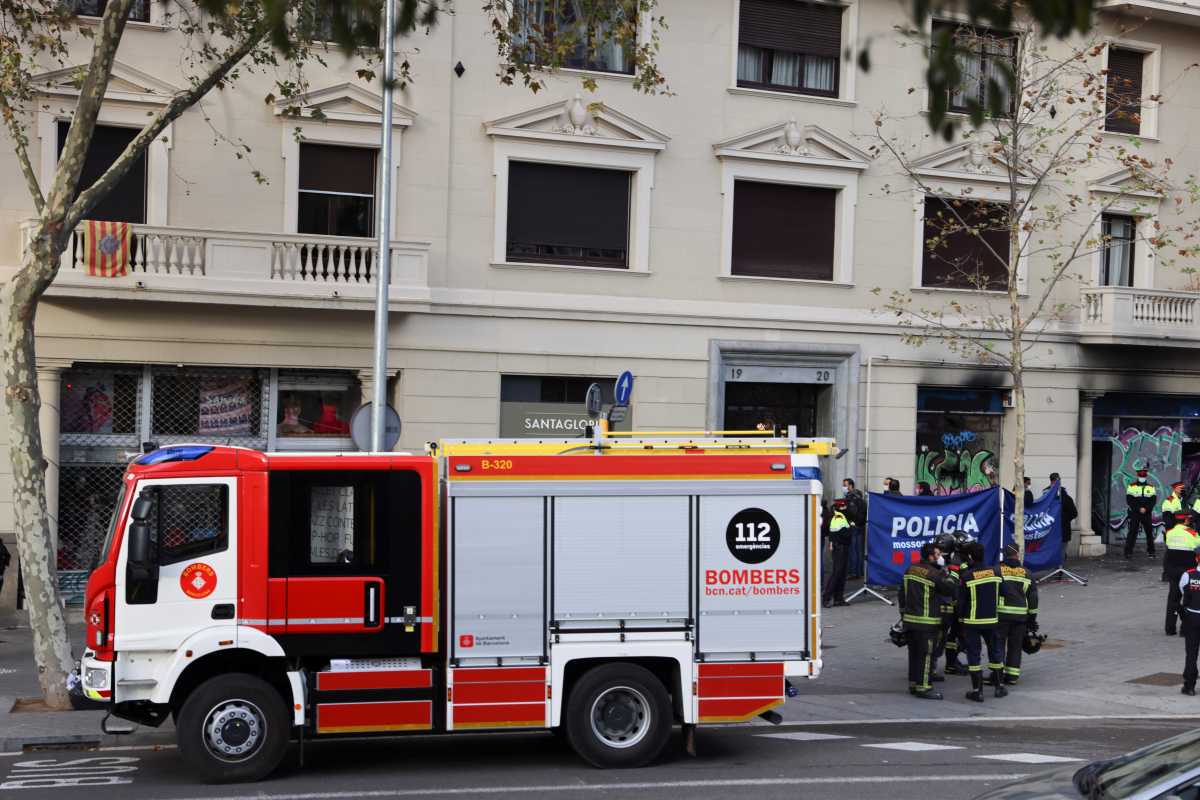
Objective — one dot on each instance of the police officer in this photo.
(923, 583)
(1181, 542)
(1189, 588)
(1173, 505)
(978, 605)
(1140, 497)
(948, 605)
(1017, 613)
(840, 536)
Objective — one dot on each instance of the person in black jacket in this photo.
(1069, 511)
(920, 609)
(840, 535)
(1017, 613)
(978, 606)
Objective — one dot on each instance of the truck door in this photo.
(193, 544)
(345, 544)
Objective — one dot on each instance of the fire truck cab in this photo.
(611, 587)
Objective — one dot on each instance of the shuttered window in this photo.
(337, 190)
(568, 215)
(1123, 95)
(954, 256)
(126, 202)
(782, 231)
(982, 54)
(790, 46)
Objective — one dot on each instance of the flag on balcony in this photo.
(106, 248)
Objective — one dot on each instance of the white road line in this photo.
(802, 736)
(913, 747)
(971, 720)
(1030, 758)
(609, 787)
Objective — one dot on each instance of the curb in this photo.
(82, 741)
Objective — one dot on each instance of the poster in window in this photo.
(226, 407)
(88, 403)
(331, 525)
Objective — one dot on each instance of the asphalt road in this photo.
(920, 759)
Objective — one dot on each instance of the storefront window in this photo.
(550, 406)
(315, 407)
(958, 438)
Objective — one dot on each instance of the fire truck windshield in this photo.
(112, 527)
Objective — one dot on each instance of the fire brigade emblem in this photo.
(466, 640)
(198, 580)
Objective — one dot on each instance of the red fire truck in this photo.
(611, 587)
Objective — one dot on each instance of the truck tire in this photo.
(233, 728)
(618, 716)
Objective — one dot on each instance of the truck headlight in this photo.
(97, 678)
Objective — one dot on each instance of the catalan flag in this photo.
(106, 248)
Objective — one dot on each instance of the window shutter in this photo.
(792, 25)
(550, 205)
(1124, 91)
(127, 200)
(782, 231)
(333, 168)
(961, 260)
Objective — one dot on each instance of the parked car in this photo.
(1166, 770)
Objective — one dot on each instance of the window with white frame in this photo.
(336, 190)
(127, 200)
(139, 11)
(1123, 90)
(790, 46)
(564, 24)
(981, 56)
(1119, 232)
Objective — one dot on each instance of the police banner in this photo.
(1043, 534)
(897, 526)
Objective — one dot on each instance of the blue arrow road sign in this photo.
(624, 388)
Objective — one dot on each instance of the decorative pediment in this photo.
(579, 122)
(126, 84)
(344, 102)
(794, 143)
(1130, 183)
(969, 160)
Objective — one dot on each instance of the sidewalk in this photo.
(1102, 638)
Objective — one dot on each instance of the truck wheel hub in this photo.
(620, 717)
(233, 730)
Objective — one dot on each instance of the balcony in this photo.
(176, 264)
(1175, 12)
(1121, 315)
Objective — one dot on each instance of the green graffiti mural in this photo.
(961, 465)
(1159, 451)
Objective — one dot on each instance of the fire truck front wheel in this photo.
(618, 715)
(233, 728)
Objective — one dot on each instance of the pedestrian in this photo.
(1140, 497)
(1181, 543)
(856, 514)
(923, 490)
(1189, 588)
(1016, 615)
(834, 592)
(1173, 504)
(1028, 492)
(978, 605)
(923, 582)
(893, 488)
(1068, 513)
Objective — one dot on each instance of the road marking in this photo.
(802, 736)
(973, 720)
(610, 787)
(54, 773)
(1030, 758)
(913, 747)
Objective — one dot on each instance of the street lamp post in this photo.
(383, 265)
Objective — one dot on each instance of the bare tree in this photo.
(222, 42)
(1048, 103)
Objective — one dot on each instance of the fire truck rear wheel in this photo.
(233, 728)
(618, 716)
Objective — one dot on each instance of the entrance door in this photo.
(193, 533)
(751, 405)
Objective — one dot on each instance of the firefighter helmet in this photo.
(1033, 642)
(898, 635)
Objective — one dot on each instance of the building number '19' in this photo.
(753, 531)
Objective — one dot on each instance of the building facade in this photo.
(722, 243)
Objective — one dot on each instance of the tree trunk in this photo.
(1017, 369)
(35, 546)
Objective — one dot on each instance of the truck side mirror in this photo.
(139, 542)
(142, 507)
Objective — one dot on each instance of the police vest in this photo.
(1191, 591)
(1173, 504)
(839, 522)
(1145, 490)
(1196, 505)
(1181, 537)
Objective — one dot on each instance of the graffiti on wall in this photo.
(1160, 452)
(962, 463)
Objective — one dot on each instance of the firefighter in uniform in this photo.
(1017, 613)
(1140, 497)
(840, 536)
(923, 583)
(1189, 588)
(1181, 542)
(978, 604)
(948, 636)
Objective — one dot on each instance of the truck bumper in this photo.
(96, 676)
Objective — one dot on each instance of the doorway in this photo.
(751, 405)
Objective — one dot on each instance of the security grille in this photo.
(99, 407)
(87, 495)
(210, 405)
